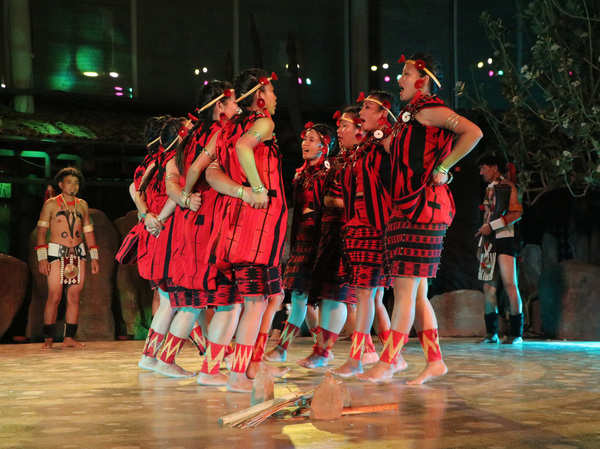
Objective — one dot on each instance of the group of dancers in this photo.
(213, 218)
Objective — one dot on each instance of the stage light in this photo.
(299, 80)
(113, 74)
(500, 72)
(373, 68)
(308, 82)
(385, 66)
(398, 77)
(386, 79)
(204, 70)
(119, 94)
(118, 88)
(131, 89)
(490, 60)
(3, 86)
(90, 74)
(287, 65)
(206, 83)
(197, 72)
(491, 73)
(480, 64)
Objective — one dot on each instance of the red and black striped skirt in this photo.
(257, 280)
(362, 262)
(154, 253)
(299, 268)
(326, 283)
(413, 249)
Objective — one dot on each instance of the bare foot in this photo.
(69, 342)
(47, 343)
(277, 354)
(147, 362)
(172, 370)
(431, 371)
(369, 358)
(350, 368)
(228, 361)
(216, 380)
(274, 371)
(277, 371)
(380, 372)
(239, 383)
(314, 361)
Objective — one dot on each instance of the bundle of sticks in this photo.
(257, 414)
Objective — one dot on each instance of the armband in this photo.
(142, 215)
(256, 135)
(497, 224)
(185, 199)
(240, 193)
(452, 122)
(88, 228)
(43, 224)
(258, 189)
(41, 252)
(94, 252)
(440, 169)
(211, 156)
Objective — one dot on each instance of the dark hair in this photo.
(353, 109)
(168, 133)
(68, 171)
(208, 93)
(152, 131)
(432, 66)
(382, 96)
(326, 130)
(492, 159)
(245, 81)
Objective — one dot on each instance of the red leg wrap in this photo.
(171, 348)
(315, 333)
(198, 339)
(392, 346)
(328, 339)
(241, 358)
(212, 357)
(430, 343)
(259, 347)
(287, 335)
(358, 345)
(153, 342)
(384, 336)
(369, 346)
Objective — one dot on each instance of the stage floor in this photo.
(543, 395)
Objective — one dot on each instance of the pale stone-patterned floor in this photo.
(545, 395)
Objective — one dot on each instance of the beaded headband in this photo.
(420, 65)
(263, 81)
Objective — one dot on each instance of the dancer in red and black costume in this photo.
(335, 296)
(196, 150)
(366, 210)
(153, 255)
(309, 188)
(152, 131)
(248, 241)
(422, 153)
